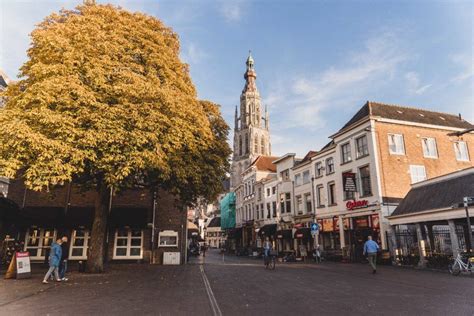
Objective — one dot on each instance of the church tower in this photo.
(251, 127)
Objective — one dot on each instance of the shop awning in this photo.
(41, 216)
(284, 234)
(79, 216)
(129, 216)
(267, 230)
(303, 233)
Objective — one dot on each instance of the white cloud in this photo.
(466, 62)
(192, 54)
(414, 85)
(231, 10)
(340, 85)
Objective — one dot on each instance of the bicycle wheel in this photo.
(454, 268)
(271, 264)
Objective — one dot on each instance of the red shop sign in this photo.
(356, 204)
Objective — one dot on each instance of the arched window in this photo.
(255, 142)
(246, 143)
(240, 145)
(263, 146)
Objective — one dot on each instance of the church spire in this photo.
(250, 75)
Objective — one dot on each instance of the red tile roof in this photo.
(264, 163)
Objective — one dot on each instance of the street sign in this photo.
(314, 228)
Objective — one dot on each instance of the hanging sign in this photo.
(349, 181)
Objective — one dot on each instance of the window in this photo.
(320, 195)
(257, 211)
(361, 146)
(417, 173)
(79, 244)
(262, 209)
(240, 145)
(259, 194)
(329, 165)
(429, 147)
(308, 204)
(319, 169)
(268, 191)
(288, 202)
(285, 175)
(396, 145)
(262, 146)
(299, 204)
(274, 209)
(306, 177)
(349, 195)
(255, 145)
(128, 243)
(460, 148)
(168, 238)
(298, 179)
(282, 203)
(246, 150)
(346, 153)
(331, 193)
(274, 190)
(365, 185)
(38, 240)
(268, 210)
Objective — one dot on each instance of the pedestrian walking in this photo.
(317, 254)
(54, 260)
(64, 259)
(370, 250)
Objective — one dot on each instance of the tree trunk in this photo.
(95, 259)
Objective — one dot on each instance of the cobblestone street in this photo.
(242, 286)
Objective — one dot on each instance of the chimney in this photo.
(460, 117)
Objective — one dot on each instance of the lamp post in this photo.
(466, 201)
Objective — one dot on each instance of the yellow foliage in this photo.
(103, 95)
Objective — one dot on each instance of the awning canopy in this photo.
(284, 234)
(303, 233)
(79, 216)
(40, 216)
(267, 230)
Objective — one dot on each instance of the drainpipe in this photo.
(152, 260)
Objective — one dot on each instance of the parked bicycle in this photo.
(461, 264)
(270, 262)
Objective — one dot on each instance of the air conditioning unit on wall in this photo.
(171, 258)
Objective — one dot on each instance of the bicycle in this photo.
(270, 262)
(459, 265)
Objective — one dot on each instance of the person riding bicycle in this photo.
(267, 248)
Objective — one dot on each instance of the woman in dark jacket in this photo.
(54, 260)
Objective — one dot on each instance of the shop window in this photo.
(128, 244)
(417, 173)
(38, 241)
(365, 184)
(361, 147)
(329, 165)
(331, 193)
(79, 244)
(346, 153)
(429, 147)
(460, 149)
(396, 145)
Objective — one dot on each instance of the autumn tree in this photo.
(105, 101)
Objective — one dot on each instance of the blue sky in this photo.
(317, 61)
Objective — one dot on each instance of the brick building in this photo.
(142, 225)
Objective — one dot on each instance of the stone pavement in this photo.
(229, 285)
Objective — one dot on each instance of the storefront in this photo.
(284, 240)
(303, 241)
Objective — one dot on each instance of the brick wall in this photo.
(395, 170)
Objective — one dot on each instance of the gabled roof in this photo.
(309, 155)
(438, 193)
(264, 163)
(403, 113)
